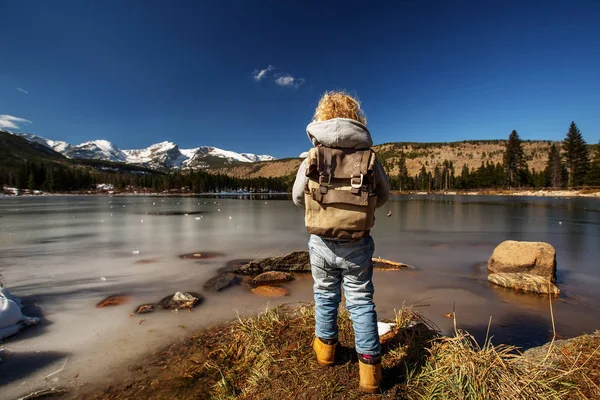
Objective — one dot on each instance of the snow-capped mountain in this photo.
(159, 155)
(96, 150)
(164, 154)
(58, 145)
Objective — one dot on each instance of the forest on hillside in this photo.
(571, 163)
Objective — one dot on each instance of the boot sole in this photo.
(369, 390)
(324, 364)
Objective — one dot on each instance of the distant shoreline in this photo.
(589, 193)
(592, 193)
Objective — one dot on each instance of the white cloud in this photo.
(10, 122)
(280, 78)
(22, 90)
(260, 74)
(289, 81)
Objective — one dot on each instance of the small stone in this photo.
(220, 282)
(145, 308)
(271, 277)
(148, 261)
(270, 291)
(112, 301)
(381, 263)
(200, 255)
(181, 300)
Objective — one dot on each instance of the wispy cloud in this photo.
(10, 122)
(289, 81)
(284, 79)
(22, 90)
(262, 73)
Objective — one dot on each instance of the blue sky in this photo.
(140, 72)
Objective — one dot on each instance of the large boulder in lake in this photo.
(524, 282)
(297, 261)
(534, 258)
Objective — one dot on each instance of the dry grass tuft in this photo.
(269, 356)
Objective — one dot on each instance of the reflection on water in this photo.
(57, 249)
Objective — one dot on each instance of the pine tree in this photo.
(403, 175)
(555, 169)
(576, 155)
(593, 177)
(514, 160)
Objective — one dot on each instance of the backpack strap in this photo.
(324, 164)
(360, 171)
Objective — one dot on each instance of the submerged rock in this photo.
(270, 291)
(112, 301)
(524, 282)
(181, 300)
(145, 308)
(534, 258)
(221, 282)
(148, 261)
(176, 213)
(381, 263)
(271, 277)
(200, 255)
(297, 261)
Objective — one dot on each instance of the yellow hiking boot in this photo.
(370, 373)
(325, 351)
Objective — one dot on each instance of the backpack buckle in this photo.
(321, 180)
(356, 185)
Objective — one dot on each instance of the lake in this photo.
(64, 254)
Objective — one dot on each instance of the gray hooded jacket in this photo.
(340, 133)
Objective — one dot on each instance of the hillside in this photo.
(471, 153)
(14, 149)
(263, 169)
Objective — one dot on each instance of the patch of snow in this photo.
(12, 319)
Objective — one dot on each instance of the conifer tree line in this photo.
(569, 165)
(53, 177)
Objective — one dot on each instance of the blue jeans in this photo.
(336, 264)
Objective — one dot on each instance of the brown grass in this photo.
(269, 356)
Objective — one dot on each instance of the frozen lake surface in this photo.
(62, 255)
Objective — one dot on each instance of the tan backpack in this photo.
(340, 195)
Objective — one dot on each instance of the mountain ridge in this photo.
(163, 155)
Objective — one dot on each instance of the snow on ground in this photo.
(12, 319)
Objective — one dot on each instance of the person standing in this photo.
(340, 184)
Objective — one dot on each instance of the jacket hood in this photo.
(339, 133)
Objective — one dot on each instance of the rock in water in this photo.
(112, 301)
(145, 308)
(297, 261)
(381, 263)
(270, 291)
(220, 282)
(524, 282)
(534, 258)
(271, 277)
(200, 255)
(181, 300)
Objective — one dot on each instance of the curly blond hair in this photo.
(335, 104)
